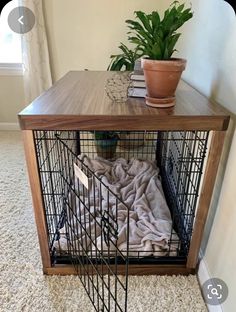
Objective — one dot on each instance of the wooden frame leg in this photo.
(35, 185)
(213, 160)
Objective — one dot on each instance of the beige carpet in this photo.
(23, 287)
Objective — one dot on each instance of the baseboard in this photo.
(7, 126)
(203, 275)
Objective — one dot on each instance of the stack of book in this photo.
(138, 86)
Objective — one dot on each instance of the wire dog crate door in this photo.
(91, 231)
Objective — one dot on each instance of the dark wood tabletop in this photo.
(79, 101)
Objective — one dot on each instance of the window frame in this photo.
(11, 69)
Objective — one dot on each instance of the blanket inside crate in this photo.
(137, 183)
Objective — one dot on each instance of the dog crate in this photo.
(119, 188)
(80, 207)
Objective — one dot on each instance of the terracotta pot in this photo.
(162, 78)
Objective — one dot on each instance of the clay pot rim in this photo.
(174, 64)
(171, 60)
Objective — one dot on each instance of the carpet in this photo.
(23, 287)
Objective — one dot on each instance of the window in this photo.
(10, 44)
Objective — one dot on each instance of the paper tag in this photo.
(81, 176)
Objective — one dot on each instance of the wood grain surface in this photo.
(79, 101)
(154, 269)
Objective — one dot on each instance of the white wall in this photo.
(11, 98)
(83, 34)
(209, 45)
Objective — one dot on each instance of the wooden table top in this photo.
(78, 101)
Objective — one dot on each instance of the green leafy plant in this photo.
(154, 37)
(125, 60)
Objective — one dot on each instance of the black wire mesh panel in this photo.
(89, 226)
(131, 145)
(52, 183)
(181, 158)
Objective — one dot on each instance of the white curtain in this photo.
(37, 72)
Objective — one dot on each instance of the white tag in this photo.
(81, 176)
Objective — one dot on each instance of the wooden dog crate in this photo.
(58, 126)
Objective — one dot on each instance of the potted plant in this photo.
(106, 142)
(156, 39)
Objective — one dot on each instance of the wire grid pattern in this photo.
(52, 185)
(132, 144)
(181, 160)
(91, 262)
(138, 145)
